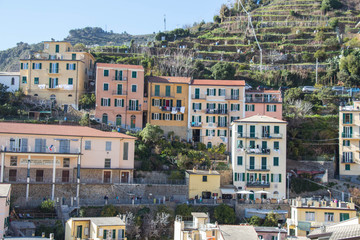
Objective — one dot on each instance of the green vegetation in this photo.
(271, 220)
(224, 214)
(48, 206)
(87, 101)
(300, 184)
(57, 229)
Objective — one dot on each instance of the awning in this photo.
(227, 191)
(305, 226)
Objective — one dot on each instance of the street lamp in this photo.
(279, 234)
(329, 193)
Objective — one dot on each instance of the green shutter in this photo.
(272, 177)
(40, 66)
(193, 118)
(152, 116)
(21, 66)
(33, 67)
(50, 84)
(243, 176)
(231, 107)
(116, 75)
(235, 176)
(193, 106)
(214, 92)
(199, 106)
(218, 132)
(267, 108)
(207, 92)
(207, 119)
(207, 132)
(239, 160)
(274, 108)
(50, 67)
(267, 177)
(280, 177)
(247, 177)
(57, 67)
(153, 102)
(67, 66)
(115, 102)
(276, 129)
(253, 107)
(102, 102)
(109, 102)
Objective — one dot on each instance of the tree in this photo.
(79, 47)
(320, 54)
(47, 206)
(255, 221)
(109, 211)
(217, 19)
(87, 101)
(4, 94)
(224, 12)
(151, 134)
(293, 93)
(271, 220)
(183, 210)
(327, 5)
(224, 214)
(85, 120)
(223, 70)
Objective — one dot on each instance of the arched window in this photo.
(133, 121)
(209, 145)
(53, 97)
(69, 95)
(35, 95)
(12, 81)
(118, 120)
(275, 194)
(105, 118)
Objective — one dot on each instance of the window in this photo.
(53, 82)
(118, 120)
(249, 107)
(310, 216)
(204, 178)
(53, 67)
(178, 89)
(108, 146)
(57, 48)
(107, 163)
(276, 145)
(24, 66)
(106, 87)
(210, 133)
(156, 102)
(252, 163)
(329, 217)
(156, 116)
(179, 117)
(23, 79)
(222, 92)
(276, 161)
(178, 103)
(239, 144)
(70, 81)
(235, 107)
(71, 66)
(347, 157)
(167, 116)
(88, 145)
(40, 145)
(133, 88)
(12, 175)
(211, 92)
(275, 177)
(36, 80)
(126, 151)
(105, 118)
(37, 66)
(13, 161)
(157, 90)
(196, 106)
(271, 108)
(239, 160)
(167, 91)
(134, 74)
(106, 73)
(346, 143)
(66, 162)
(347, 167)
(347, 118)
(105, 102)
(39, 175)
(12, 81)
(119, 102)
(276, 130)
(344, 216)
(222, 133)
(64, 146)
(209, 144)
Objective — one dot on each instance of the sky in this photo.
(40, 20)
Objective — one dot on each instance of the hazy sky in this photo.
(39, 20)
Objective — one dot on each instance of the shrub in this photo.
(48, 206)
(320, 54)
(109, 211)
(223, 70)
(333, 22)
(331, 42)
(217, 19)
(255, 221)
(306, 57)
(224, 214)
(183, 210)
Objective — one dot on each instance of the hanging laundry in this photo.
(174, 111)
(182, 109)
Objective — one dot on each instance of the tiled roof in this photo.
(164, 79)
(9, 73)
(4, 190)
(113, 65)
(337, 232)
(236, 232)
(57, 130)
(259, 119)
(203, 172)
(102, 221)
(263, 91)
(212, 82)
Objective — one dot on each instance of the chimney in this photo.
(194, 170)
(209, 170)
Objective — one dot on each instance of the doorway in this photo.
(124, 177)
(107, 176)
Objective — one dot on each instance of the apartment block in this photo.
(57, 74)
(264, 102)
(349, 144)
(5, 192)
(259, 156)
(203, 183)
(168, 103)
(214, 104)
(55, 154)
(308, 215)
(120, 95)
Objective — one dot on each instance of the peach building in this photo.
(120, 95)
(5, 191)
(264, 102)
(55, 154)
(214, 105)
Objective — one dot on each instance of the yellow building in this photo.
(168, 104)
(259, 156)
(307, 215)
(349, 144)
(205, 184)
(57, 74)
(95, 228)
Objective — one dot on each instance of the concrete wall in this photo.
(240, 208)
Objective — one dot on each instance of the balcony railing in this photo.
(30, 150)
(232, 97)
(347, 135)
(133, 108)
(119, 78)
(271, 135)
(258, 168)
(196, 124)
(216, 111)
(260, 184)
(263, 100)
(248, 135)
(222, 124)
(119, 93)
(163, 95)
(260, 151)
(198, 96)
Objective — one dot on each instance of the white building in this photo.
(259, 156)
(11, 80)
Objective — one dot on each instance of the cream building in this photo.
(57, 74)
(203, 183)
(95, 228)
(213, 105)
(349, 136)
(308, 215)
(5, 191)
(55, 154)
(259, 156)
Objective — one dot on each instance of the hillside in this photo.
(9, 59)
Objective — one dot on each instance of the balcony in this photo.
(347, 135)
(133, 108)
(258, 168)
(216, 111)
(198, 96)
(273, 99)
(119, 78)
(169, 109)
(259, 151)
(232, 97)
(271, 135)
(248, 135)
(30, 150)
(196, 124)
(118, 93)
(222, 125)
(258, 184)
(163, 95)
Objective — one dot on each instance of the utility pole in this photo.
(164, 22)
(317, 64)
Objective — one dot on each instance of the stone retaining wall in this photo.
(240, 208)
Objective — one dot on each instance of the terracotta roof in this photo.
(58, 130)
(10, 73)
(203, 172)
(260, 119)
(232, 232)
(262, 91)
(164, 79)
(210, 82)
(113, 65)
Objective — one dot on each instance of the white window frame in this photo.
(106, 102)
(212, 91)
(156, 116)
(222, 92)
(310, 216)
(107, 87)
(26, 66)
(222, 133)
(37, 66)
(223, 121)
(329, 217)
(87, 145)
(53, 68)
(348, 157)
(108, 146)
(119, 102)
(132, 87)
(72, 66)
(276, 177)
(167, 117)
(271, 108)
(197, 118)
(178, 117)
(156, 102)
(197, 106)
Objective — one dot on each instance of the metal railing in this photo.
(258, 168)
(119, 93)
(133, 108)
(262, 100)
(271, 135)
(260, 151)
(216, 111)
(196, 124)
(163, 95)
(222, 124)
(232, 97)
(119, 78)
(258, 184)
(198, 96)
(347, 135)
(248, 135)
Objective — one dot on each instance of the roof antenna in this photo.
(164, 22)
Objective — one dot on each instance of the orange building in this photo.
(120, 95)
(264, 102)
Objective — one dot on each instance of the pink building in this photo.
(264, 102)
(120, 95)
